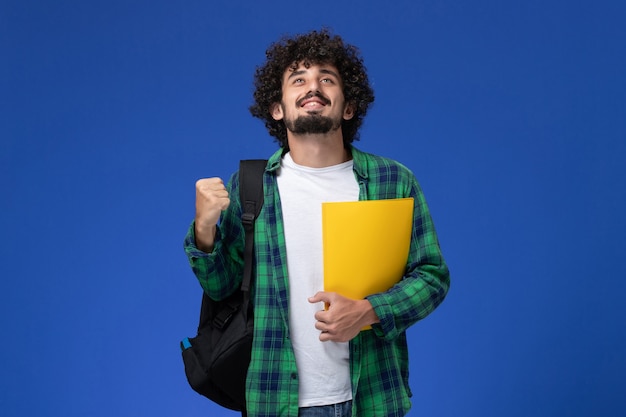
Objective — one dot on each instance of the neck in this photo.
(318, 151)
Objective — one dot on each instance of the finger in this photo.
(210, 189)
(325, 335)
(223, 203)
(213, 187)
(321, 316)
(314, 299)
(319, 297)
(210, 184)
(213, 181)
(206, 198)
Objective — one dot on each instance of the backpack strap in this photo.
(251, 198)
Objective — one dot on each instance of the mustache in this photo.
(317, 94)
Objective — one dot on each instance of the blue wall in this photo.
(511, 115)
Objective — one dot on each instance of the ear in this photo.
(276, 110)
(348, 112)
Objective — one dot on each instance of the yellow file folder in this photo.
(366, 245)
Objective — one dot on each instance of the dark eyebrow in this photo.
(322, 70)
(330, 72)
(295, 73)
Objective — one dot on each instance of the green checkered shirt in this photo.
(378, 357)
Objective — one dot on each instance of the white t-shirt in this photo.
(323, 367)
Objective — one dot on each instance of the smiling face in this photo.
(312, 100)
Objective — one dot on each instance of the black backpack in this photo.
(217, 359)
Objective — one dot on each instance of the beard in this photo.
(312, 124)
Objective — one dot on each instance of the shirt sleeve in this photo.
(426, 280)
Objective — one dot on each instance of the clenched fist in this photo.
(211, 199)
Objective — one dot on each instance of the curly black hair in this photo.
(313, 48)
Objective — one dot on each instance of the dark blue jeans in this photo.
(335, 410)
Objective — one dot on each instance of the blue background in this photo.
(511, 114)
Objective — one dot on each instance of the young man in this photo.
(312, 94)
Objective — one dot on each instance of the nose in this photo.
(314, 84)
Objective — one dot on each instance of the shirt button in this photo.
(294, 375)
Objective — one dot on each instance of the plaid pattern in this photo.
(378, 358)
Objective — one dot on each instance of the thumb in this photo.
(319, 296)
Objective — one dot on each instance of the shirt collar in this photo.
(360, 161)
